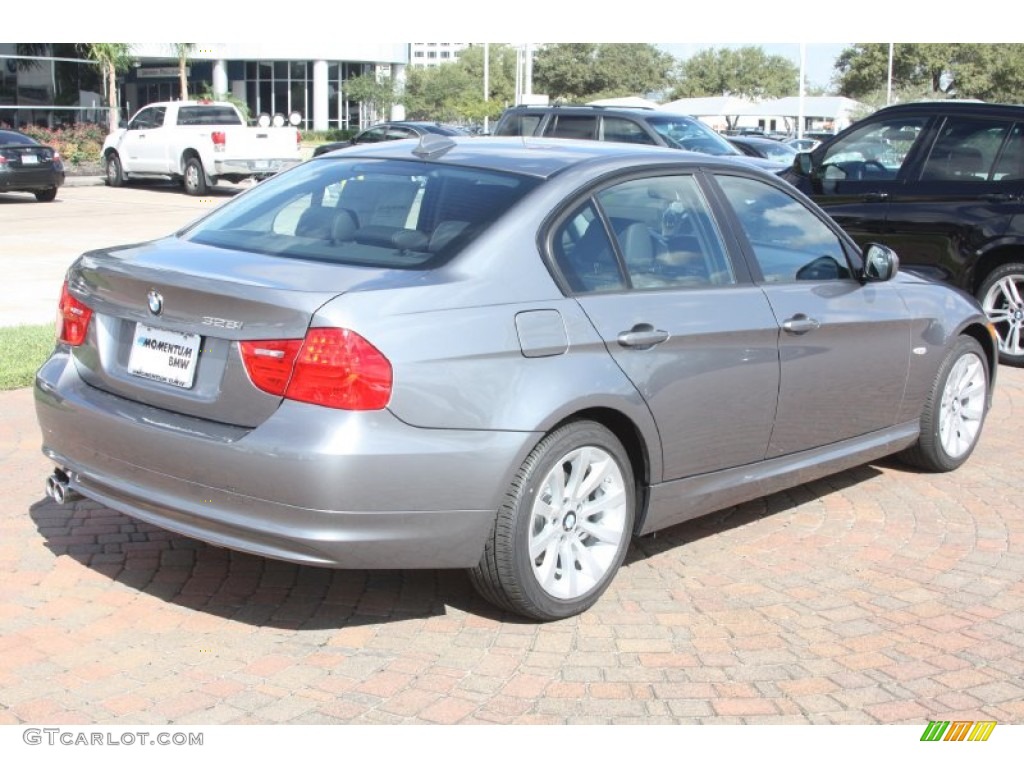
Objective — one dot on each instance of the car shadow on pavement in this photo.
(749, 512)
(271, 593)
(248, 588)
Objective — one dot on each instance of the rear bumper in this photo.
(310, 485)
(252, 167)
(30, 180)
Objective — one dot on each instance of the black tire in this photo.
(195, 177)
(113, 172)
(1006, 310)
(963, 379)
(510, 577)
(47, 195)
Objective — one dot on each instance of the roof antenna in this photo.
(432, 146)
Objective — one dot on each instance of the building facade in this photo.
(435, 54)
(52, 84)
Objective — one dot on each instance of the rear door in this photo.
(964, 195)
(648, 265)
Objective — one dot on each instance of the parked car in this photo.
(758, 146)
(198, 143)
(28, 166)
(409, 129)
(623, 124)
(504, 355)
(941, 182)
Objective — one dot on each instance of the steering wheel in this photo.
(875, 164)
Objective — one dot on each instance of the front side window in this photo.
(151, 117)
(518, 125)
(690, 134)
(875, 152)
(378, 213)
(788, 241)
(645, 234)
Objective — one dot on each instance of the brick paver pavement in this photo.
(875, 596)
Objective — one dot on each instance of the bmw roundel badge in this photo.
(156, 302)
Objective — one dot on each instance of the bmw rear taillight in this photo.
(333, 367)
(220, 141)
(72, 318)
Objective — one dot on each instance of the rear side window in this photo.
(645, 234)
(573, 127)
(377, 213)
(518, 125)
(966, 150)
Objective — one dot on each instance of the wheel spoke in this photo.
(1013, 345)
(542, 541)
(1009, 286)
(577, 472)
(546, 570)
(592, 569)
(602, 533)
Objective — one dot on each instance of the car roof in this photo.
(953, 106)
(534, 156)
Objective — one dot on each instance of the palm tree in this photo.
(111, 58)
(182, 51)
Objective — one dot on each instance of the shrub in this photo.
(77, 144)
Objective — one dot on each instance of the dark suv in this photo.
(629, 125)
(942, 183)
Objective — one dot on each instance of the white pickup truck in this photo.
(198, 142)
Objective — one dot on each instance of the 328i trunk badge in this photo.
(156, 302)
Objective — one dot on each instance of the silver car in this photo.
(504, 355)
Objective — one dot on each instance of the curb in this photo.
(83, 181)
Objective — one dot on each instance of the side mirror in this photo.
(803, 164)
(880, 263)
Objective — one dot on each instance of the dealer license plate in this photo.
(162, 355)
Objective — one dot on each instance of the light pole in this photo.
(487, 84)
(888, 90)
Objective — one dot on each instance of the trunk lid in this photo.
(168, 317)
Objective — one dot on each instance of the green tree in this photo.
(988, 71)
(376, 92)
(182, 51)
(111, 58)
(747, 72)
(453, 92)
(588, 71)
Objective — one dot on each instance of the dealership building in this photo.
(52, 84)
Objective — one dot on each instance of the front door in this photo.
(844, 346)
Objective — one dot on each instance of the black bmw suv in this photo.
(942, 183)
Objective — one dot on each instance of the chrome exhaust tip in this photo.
(57, 487)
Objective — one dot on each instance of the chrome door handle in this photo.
(799, 324)
(642, 336)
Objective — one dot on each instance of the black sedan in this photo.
(758, 146)
(28, 166)
(408, 129)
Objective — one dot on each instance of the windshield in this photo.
(688, 133)
(377, 213)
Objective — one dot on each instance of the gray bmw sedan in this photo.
(504, 355)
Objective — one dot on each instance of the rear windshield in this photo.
(377, 213)
(208, 115)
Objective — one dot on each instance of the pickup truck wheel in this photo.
(195, 177)
(1002, 297)
(114, 173)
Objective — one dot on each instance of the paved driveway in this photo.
(875, 596)
(40, 240)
